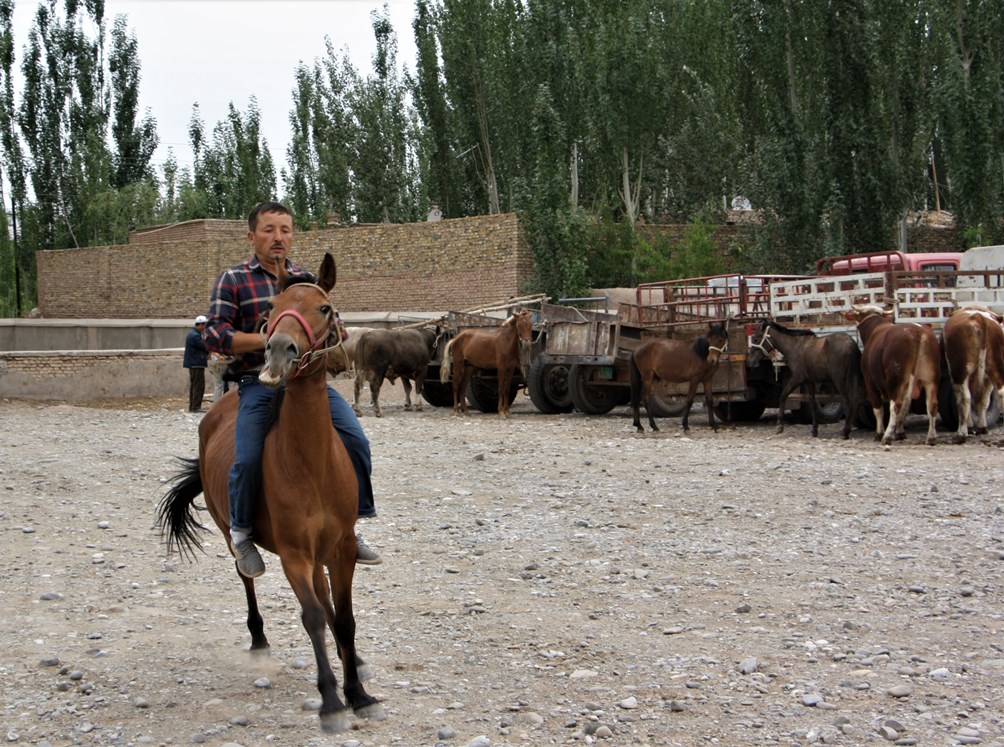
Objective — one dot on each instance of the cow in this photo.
(389, 353)
(897, 361)
(973, 345)
(341, 358)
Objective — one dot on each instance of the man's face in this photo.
(272, 238)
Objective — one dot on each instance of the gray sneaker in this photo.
(249, 561)
(366, 555)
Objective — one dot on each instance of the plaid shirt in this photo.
(240, 297)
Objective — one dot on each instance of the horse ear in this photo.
(327, 274)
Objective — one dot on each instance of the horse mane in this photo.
(292, 280)
(702, 346)
(789, 331)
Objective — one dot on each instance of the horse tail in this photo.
(635, 385)
(177, 523)
(445, 368)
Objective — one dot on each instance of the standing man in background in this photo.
(196, 359)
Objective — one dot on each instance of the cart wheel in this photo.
(437, 393)
(588, 398)
(547, 385)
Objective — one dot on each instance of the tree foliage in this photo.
(835, 120)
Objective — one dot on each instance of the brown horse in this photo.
(677, 361)
(812, 360)
(307, 509)
(486, 348)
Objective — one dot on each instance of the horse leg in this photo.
(459, 388)
(467, 372)
(709, 405)
(815, 410)
(637, 394)
(505, 379)
(691, 392)
(343, 626)
(788, 387)
(334, 716)
(256, 625)
(323, 592)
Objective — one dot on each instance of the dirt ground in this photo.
(546, 580)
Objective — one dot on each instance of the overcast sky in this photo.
(219, 51)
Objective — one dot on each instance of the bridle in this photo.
(763, 341)
(313, 352)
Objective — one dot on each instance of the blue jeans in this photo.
(244, 483)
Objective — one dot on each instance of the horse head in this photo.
(761, 346)
(301, 319)
(524, 333)
(718, 342)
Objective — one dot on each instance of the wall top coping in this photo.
(90, 353)
(350, 318)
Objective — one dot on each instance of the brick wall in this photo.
(169, 272)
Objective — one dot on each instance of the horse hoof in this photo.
(378, 414)
(372, 712)
(958, 439)
(901, 436)
(336, 722)
(980, 431)
(932, 441)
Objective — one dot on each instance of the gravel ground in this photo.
(547, 580)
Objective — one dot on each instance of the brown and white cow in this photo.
(897, 361)
(973, 344)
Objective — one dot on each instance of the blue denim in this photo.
(244, 483)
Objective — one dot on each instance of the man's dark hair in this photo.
(266, 207)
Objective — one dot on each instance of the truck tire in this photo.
(588, 398)
(946, 404)
(547, 385)
(483, 394)
(740, 412)
(437, 393)
(664, 406)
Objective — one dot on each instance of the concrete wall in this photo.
(77, 360)
(91, 374)
(169, 272)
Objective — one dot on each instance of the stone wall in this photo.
(446, 265)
